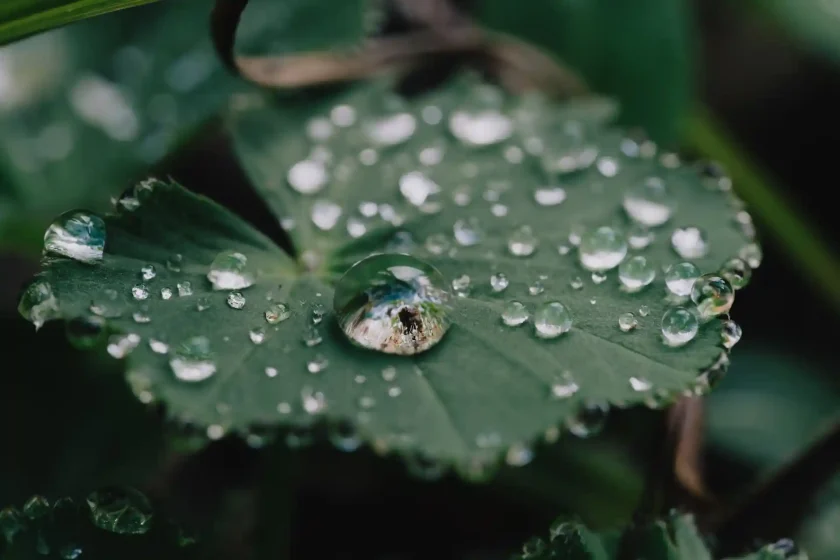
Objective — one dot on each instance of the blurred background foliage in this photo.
(87, 109)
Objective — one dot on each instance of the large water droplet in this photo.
(649, 203)
(325, 214)
(468, 232)
(589, 419)
(601, 249)
(522, 242)
(550, 196)
(416, 187)
(391, 130)
(551, 320)
(192, 360)
(636, 273)
(38, 303)
(308, 176)
(730, 334)
(737, 272)
(229, 271)
(712, 295)
(277, 313)
(120, 510)
(480, 128)
(690, 242)
(627, 322)
(77, 235)
(680, 277)
(679, 326)
(393, 303)
(515, 313)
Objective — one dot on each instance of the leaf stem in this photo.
(780, 216)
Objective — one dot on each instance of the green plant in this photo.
(472, 267)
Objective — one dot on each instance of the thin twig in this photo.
(776, 507)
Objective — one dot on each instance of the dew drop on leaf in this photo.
(307, 176)
(277, 313)
(636, 273)
(120, 510)
(236, 300)
(536, 288)
(515, 313)
(148, 272)
(598, 278)
(649, 203)
(77, 235)
(257, 335)
(602, 249)
(550, 196)
(325, 214)
(229, 271)
(644, 311)
(393, 303)
(121, 345)
(640, 384)
(551, 320)
(317, 364)
(390, 130)
(589, 420)
(712, 295)
(480, 128)
(519, 455)
(158, 346)
(736, 272)
(690, 242)
(627, 322)
(192, 360)
(680, 277)
(312, 336)
(416, 187)
(312, 401)
(564, 387)
(679, 326)
(202, 303)
(639, 237)
(522, 242)
(184, 289)
(751, 254)
(141, 317)
(576, 283)
(38, 304)
(166, 293)
(468, 232)
(730, 333)
(344, 437)
(499, 282)
(461, 285)
(437, 244)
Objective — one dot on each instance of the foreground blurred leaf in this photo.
(21, 18)
(487, 388)
(675, 538)
(639, 52)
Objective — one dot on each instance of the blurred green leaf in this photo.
(814, 22)
(21, 18)
(640, 52)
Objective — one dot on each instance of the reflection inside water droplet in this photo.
(192, 360)
(393, 303)
(77, 235)
(120, 510)
(229, 271)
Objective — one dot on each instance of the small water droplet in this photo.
(515, 313)
(576, 283)
(536, 288)
(38, 303)
(277, 313)
(636, 273)
(589, 420)
(480, 128)
(639, 237)
(389, 373)
(649, 202)
(563, 249)
(121, 345)
(312, 336)
(174, 262)
(394, 391)
(313, 402)
(575, 235)
(202, 303)
(166, 293)
(437, 244)
(730, 333)
(712, 295)
(120, 510)
(679, 326)
(355, 227)
(192, 360)
(550, 196)
(184, 289)
(77, 235)
(690, 242)
(519, 455)
(317, 364)
(367, 402)
(644, 311)
(461, 285)
(499, 282)
(608, 166)
(417, 187)
(551, 320)
(140, 292)
(393, 303)
(468, 232)
(158, 346)
(257, 335)
(602, 249)
(598, 278)
(307, 176)
(344, 437)
(640, 384)
(325, 214)
(236, 300)
(680, 277)
(627, 322)
(737, 272)
(751, 254)
(141, 317)
(271, 372)
(522, 242)
(391, 130)
(148, 272)
(564, 387)
(229, 271)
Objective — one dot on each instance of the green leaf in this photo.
(675, 538)
(21, 18)
(486, 388)
(815, 22)
(114, 522)
(640, 52)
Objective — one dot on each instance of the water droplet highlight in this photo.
(522, 242)
(515, 313)
(76, 235)
(601, 249)
(680, 277)
(690, 242)
(235, 300)
(627, 322)
(730, 334)
(649, 203)
(499, 282)
(551, 320)
(229, 271)
(679, 326)
(393, 303)
(712, 295)
(736, 272)
(277, 313)
(636, 273)
(307, 176)
(192, 360)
